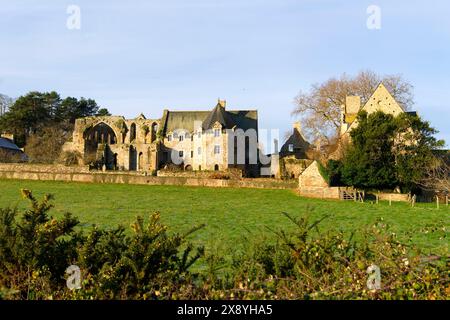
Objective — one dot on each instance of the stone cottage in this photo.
(9, 151)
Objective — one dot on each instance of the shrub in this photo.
(308, 264)
(70, 158)
(35, 250)
(219, 175)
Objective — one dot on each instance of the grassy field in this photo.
(229, 214)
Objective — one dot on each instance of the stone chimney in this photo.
(297, 126)
(222, 103)
(9, 136)
(352, 104)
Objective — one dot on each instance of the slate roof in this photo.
(218, 114)
(243, 119)
(8, 144)
(299, 143)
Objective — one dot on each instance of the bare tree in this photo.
(319, 109)
(437, 177)
(5, 103)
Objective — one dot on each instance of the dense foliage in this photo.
(36, 249)
(386, 152)
(43, 121)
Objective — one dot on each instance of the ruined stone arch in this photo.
(101, 132)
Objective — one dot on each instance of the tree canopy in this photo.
(38, 110)
(387, 151)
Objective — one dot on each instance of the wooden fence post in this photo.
(377, 197)
(437, 202)
(390, 199)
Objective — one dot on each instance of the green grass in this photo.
(229, 214)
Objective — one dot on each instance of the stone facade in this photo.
(312, 184)
(190, 140)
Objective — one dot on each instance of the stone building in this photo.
(191, 140)
(380, 100)
(296, 145)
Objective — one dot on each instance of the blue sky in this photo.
(144, 56)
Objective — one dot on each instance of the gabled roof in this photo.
(141, 117)
(8, 144)
(298, 141)
(192, 120)
(381, 99)
(218, 114)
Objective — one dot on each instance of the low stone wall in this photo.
(320, 192)
(111, 177)
(393, 197)
(232, 173)
(44, 168)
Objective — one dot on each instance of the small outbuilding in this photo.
(10, 152)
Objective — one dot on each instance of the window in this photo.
(169, 137)
(291, 148)
(216, 132)
(199, 151)
(175, 135)
(192, 154)
(180, 138)
(180, 153)
(216, 149)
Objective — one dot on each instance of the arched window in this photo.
(216, 167)
(132, 132)
(154, 131)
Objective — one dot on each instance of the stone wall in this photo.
(232, 173)
(44, 168)
(313, 185)
(292, 167)
(134, 178)
(320, 192)
(393, 197)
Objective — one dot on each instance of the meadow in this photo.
(232, 217)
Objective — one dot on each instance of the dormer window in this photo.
(291, 147)
(175, 136)
(217, 132)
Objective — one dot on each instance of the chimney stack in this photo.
(222, 103)
(352, 104)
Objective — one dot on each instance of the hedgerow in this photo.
(151, 263)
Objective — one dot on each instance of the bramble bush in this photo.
(151, 263)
